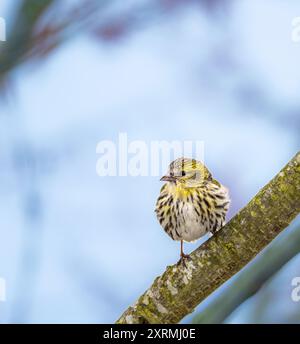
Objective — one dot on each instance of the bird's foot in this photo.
(183, 259)
(185, 256)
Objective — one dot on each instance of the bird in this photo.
(191, 203)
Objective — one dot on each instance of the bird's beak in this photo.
(168, 179)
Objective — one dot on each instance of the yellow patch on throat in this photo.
(180, 191)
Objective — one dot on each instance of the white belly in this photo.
(189, 226)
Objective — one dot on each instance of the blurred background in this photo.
(79, 248)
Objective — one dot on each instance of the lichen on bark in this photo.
(180, 289)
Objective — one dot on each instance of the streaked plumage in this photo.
(191, 203)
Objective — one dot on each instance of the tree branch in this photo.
(251, 279)
(180, 289)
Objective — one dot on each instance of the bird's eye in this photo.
(183, 173)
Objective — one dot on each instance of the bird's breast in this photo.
(190, 223)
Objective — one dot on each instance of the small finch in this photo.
(191, 203)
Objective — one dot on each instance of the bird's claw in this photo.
(183, 259)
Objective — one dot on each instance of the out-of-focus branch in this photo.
(41, 26)
(180, 289)
(251, 279)
(19, 38)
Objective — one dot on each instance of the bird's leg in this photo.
(183, 256)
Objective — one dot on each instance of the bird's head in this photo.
(187, 172)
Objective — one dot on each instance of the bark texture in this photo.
(180, 289)
(250, 280)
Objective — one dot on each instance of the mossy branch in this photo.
(180, 289)
(250, 280)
